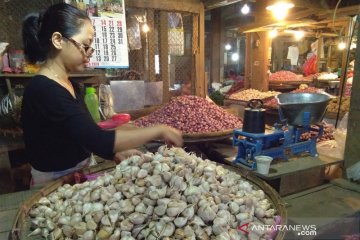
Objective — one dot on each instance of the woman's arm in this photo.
(128, 139)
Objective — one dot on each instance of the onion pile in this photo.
(273, 102)
(284, 76)
(191, 114)
(307, 90)
(334, 105)
(328, 133)
(328, 76)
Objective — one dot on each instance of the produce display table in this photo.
(287, 177)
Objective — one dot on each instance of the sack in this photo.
(176, 34)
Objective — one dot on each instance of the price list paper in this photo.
(110, 43)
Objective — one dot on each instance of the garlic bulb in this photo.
(166, 195)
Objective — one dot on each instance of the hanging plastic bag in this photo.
(133, 33)
(353, 172)
(176, 34)
(335, 148)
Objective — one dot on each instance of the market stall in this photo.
(266, 132)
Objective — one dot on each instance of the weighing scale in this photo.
(298, 113)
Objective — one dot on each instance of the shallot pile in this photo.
(249, 94)
(167, 195)
(273, 102)
(307, 90)
(191, 114)
(328, 133)
(283, 76)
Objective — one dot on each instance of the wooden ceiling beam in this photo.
(311, 4)
(302, 13)
(341, 12)
(211, 4)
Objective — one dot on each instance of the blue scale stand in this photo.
(282, 143)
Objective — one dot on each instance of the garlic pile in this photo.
(167, 195)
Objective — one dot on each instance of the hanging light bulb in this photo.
(280, 9)
(227, 47)
(299, 35)
(245, 9)
(145, 28)
(273, 33)
(234, 57)
(342, 45)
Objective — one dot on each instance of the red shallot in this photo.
(192, 114)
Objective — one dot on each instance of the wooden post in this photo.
(320, 41)
(200, 84)
(248, 61)
(344, 55)
(215, 44)
(257, 47)
(195, 50)
(353, 130)
(144, 55)
(163, 54)
(151, 45)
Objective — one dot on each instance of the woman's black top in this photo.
(58, 129)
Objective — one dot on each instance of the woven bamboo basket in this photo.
(21, 225)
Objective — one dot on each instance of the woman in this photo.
(59, 132)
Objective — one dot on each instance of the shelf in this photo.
(8, 144)
(28, 75)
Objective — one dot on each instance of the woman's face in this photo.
(76, 52)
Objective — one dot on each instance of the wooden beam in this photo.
(200, 84)
(347, 33)
(353, 133)
(320, 5)
(341, 12)
(194, 6)
(151, 45)
(216, 44)
(248, 60)
(211, 4)
(163, 54)
(302, 14)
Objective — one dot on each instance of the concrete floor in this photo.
(333, 208)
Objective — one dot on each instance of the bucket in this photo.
(263, 164)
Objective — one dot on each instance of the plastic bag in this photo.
(176, 34)
(133, 33)
(335, 148)
(353, 172)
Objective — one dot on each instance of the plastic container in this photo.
(115, 121)
(92, 103)
(263, 164)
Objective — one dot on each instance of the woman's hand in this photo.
(120, 156)
(128, 139)
(171, 136)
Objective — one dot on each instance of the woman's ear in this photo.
(57, 40)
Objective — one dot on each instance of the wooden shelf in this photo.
(28, 75)
(10, 144)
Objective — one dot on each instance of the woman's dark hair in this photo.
(38, 28)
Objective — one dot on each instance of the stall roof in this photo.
(316, 16)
